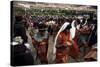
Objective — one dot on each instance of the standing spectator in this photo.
(20, 53)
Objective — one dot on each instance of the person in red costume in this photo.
(66, 44)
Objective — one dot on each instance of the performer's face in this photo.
(67, 30)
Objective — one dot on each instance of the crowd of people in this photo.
(72, 37)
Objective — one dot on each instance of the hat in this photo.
(41, 27)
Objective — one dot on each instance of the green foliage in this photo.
(44, 11)
(19, 10)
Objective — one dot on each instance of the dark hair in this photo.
(69, 26)
(18, 18)
(41, 26)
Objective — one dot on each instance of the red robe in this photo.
(62, 56)
(62, 51)
(74, 52)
